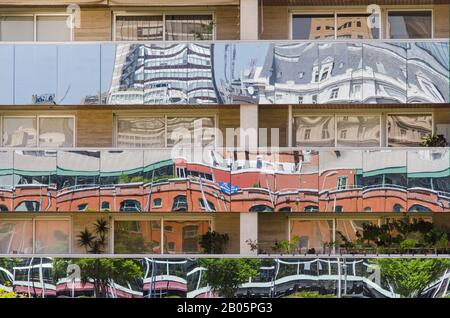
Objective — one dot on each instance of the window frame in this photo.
(335, 13)
(37, 117)
(400, 113)
(386, 19)
(335, 115)
(163, 14)
(130, 115)
(161, 219)
(35, 15)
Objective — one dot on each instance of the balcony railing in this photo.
(283, 180)
(262, 72)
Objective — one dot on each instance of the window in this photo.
(409, 24)
(52, 236)
(305, 27)
(23, 131)
(185, 235)
(38, 27)
(358, 131)
(157, 203)
(261, 208)
(311, 208)
(16, 236)
(338, 208)
(56, 132)
(28, 206)
(139, 28)
(360, 26)
(16, 28)
(418, 208)
(342, 183)
(82, 207)
(408, 130)
(150, 132)
(314, 234)
(316, 131)
(202, 205)
(105, 206)
(145, 235)
(140, 132)
(177, 27)
(314, 99)
(334, 93)
(180, 204)
(398, 208)
(130, 206)
(285, 209)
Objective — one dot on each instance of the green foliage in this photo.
(126, 241)
(434, 141)
(408, 244)
(410, 276)
(309, 294)
(225, 275)
(213, 242)
(94, 243)
(286, 246)
(7, 294)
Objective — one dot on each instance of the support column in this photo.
(248, 134)
(249, 19)
(248, 231)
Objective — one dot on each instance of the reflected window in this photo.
(28, 206)
(360, 131)
(140, 132)
(184, 236)
(19, 131)
(16, 28)
(137, 237)
(16, 236)
(261, 208)
(311, 208)
(409, 24)
(52, 28)
(190, 131)
(203, 206)
(180, 203)
(130, 206)
(56, 132)
(398, 208)
(105, 206)
(358, 26)
(351, 229)
(139, 28)
(157, 203)
(313, 234)
(408, 130)
(418, 208)
(306, 27)
(189, 27)
(52, 236)
(315, 131)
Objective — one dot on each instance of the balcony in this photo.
(262, 72)
(225, 180)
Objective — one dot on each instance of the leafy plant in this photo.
(213, 242)
(7, 294)
(434, 141)
(94, 243)
(309, 294)
(286, 246)
(409, 277)
(225, 275)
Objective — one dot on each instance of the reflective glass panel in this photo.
(16, 28)
(135, 237)
(183, 236)
(312, 27)
(19, 131)
(313, 235)
(56, 132)
(140, 132)
(16, 236)
(408, 130)
(190, 131)
(358, 131)
(314, 131)
(52, 236)
(358, 26)
(53, 28)
(409, 24)
(189, 27)
(139, 28)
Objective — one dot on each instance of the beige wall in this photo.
(95, 25)
(228, 223)
(274, 116)
(94, 128)
(227, 23)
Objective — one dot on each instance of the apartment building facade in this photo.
(263, 119)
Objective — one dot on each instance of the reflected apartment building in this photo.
(99, 120)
